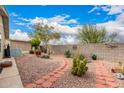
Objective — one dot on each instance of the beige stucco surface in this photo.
(2, 36)
(102, 51)
(4, 29)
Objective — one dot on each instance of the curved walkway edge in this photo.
(104, 79)
(47, 80)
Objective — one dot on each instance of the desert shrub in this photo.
(122, 72)
(120, 64)
(35, 42)
(121, 67)
(94, 56)
(67, 54)
(79, 65)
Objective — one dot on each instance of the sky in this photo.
(65, 19)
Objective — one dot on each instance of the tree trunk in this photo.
(45, 48)
(31, 47)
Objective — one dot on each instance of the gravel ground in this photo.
(109, 66)
(32, 68)
(70, 81)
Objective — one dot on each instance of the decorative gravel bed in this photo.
(70, 81)
(109, 66)
(32, 68)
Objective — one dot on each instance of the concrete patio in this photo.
(10, 78)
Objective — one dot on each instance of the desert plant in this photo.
(120, 64)
(121, 67)
(79, 65)
(94, 56)
(68, 54)
(81, 57)
(82, 68)
(91, 34)
(122, 71)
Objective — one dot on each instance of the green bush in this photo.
(94, 57)
(79, 65)
(35, 43)
(68, 54)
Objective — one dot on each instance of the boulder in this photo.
(6, 64)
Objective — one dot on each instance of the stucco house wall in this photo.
(4, 29)
(2, 36)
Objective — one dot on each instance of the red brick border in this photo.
(47, 80)
(104, 79)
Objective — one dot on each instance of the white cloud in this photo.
(111, 10)
(62, 19)
(19, 35)
(14, 14)
(24, 19)
(95, 8)
(115, 10)
(105, 8)
(120, 18)
(59, 19)
(115, 26)
(67, 39)
(71, 21)
(37, 20)
(59, 23)
(20, 24)
(110, 26)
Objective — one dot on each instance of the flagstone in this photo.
(46, 84)
(40, 81)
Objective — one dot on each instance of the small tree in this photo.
(90, 34)
(45, 34)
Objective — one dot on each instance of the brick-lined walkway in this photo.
(104, 78)
(47, 80)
